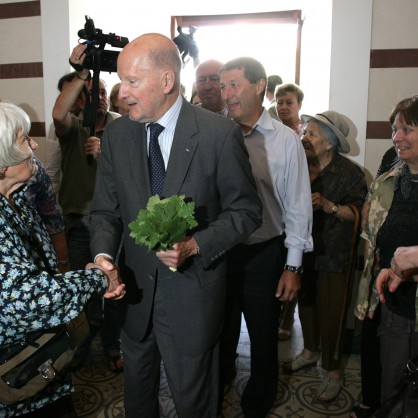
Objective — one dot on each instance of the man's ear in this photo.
(261, 86)
(168, 80)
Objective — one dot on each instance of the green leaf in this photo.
(163, 222)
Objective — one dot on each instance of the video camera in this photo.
(97, 58)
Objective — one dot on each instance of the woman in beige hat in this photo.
(336, 183)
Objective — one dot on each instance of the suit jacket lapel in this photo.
(138, 157)
(182, 150)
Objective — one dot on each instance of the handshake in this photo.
(115, 288)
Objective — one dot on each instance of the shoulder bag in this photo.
(405, 403)
(27, 367)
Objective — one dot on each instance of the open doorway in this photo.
(272, 38)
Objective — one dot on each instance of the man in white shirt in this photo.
(265, 269)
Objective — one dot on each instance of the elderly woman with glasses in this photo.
(337, 186)
(33, 293)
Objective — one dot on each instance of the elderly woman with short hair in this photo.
(33, 294)
(392, 222)
(337, 184)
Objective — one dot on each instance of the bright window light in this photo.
(274, 45)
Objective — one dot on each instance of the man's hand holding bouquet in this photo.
(162, 227)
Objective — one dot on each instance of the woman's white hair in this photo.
(13, 120)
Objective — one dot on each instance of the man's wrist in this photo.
(80, 77)
(106, 256)
(298, 270)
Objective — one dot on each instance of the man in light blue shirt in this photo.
(265, 269)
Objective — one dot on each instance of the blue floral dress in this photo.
(33, 294)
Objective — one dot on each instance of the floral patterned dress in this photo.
(33, 294)
(41, 196)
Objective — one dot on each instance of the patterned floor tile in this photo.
(99, 392)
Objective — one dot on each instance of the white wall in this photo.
(394, 27)
(55, 46)
(349, 72)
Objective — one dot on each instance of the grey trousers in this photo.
(192, 380)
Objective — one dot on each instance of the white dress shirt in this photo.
(281, 173)
(169, 121)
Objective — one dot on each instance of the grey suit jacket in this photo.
(209, 164)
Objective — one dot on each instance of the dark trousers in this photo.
(61, 408)
(253, 275)
(193, 379)
(321, 305)
(78, 243)
(370, 361)
(99, 312)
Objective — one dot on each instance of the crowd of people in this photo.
(277, 209)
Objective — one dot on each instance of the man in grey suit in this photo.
(177, 316)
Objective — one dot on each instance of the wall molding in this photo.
(37, 129)
(21, 70)
(394, 58)
(23, 9)
(378, 130)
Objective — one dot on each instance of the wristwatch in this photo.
(294, 269)
(335, 209)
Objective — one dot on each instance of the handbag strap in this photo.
(26, 351)
(32, 341)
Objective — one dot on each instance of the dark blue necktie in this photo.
(155, 159)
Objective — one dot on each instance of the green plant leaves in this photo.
(163, 222)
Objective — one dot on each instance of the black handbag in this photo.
(405, 403)
(29, 366)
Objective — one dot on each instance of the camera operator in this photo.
(79, 174)
(187, 45)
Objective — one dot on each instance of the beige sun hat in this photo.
(335, 121)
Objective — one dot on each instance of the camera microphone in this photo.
(82, 34)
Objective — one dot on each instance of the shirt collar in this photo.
(169, 119)
(265, 122)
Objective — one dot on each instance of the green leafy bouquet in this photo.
(163, 222)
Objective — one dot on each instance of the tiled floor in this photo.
(99, 392)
